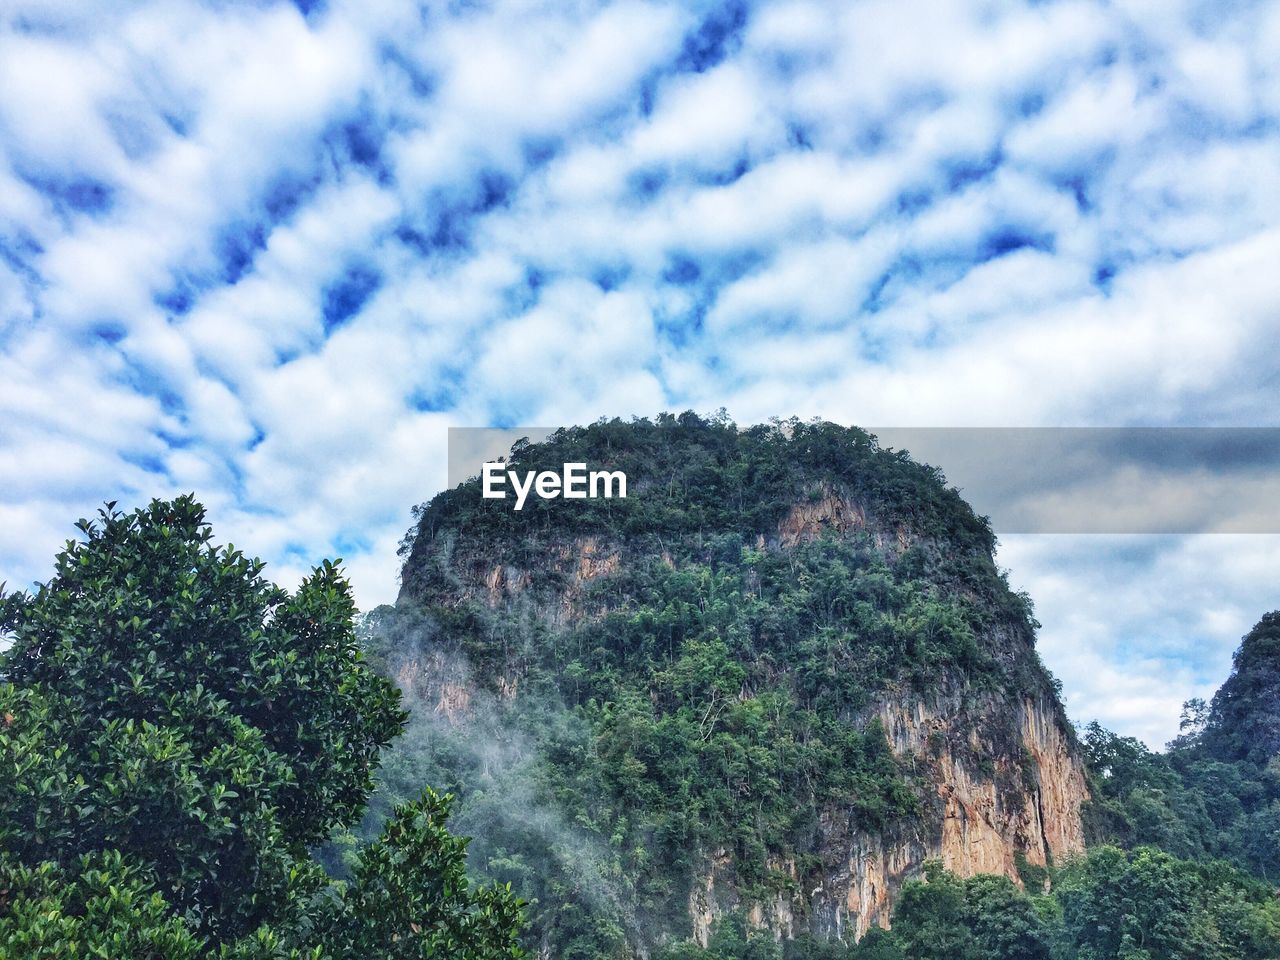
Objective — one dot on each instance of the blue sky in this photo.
(270, 252)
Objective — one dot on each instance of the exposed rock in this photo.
(593, 559)
(829, 510)
(974, 830)
(454, 702)
(1003, 780)
(504, 580)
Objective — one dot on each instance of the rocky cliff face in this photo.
(994, 803)
(975, 824)
(980, 739)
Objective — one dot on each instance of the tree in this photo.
(983, 918)
(929, 920)
(177, 731)
(1191, 723)
(1147, 905)
(410, 897)
(99, 901)
(877, 944)
(1003, 920)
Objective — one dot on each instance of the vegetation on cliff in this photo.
(627, 694)
(1108, 905)
(690, 475)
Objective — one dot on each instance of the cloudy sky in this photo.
(269, 252)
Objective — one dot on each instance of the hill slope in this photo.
(771, 683)
(1244, 719)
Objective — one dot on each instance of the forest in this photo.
(650, 727)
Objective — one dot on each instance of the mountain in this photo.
(1243, 724)
(770, 684)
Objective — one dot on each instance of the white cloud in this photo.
(945, 214)
(704, 122)
(808, 286)
(1136, 625)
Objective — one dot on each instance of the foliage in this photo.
(980, 918)
(1215, 794)
(175, 731)
(99, 903)
(1148, 905)
(712, 692)
(1243, 724)
(877, 944)
(732, 939)
(1108, 905)
(409, 897)
(690, 476)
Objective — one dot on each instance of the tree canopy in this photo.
(176, 733)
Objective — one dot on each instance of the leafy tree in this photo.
(929, 920)
(410, 897)
(979, 918)
(877, 944)
(1191, 723)
(808, 947)
(1147, 905)
(731, 939)
(1215, 793)
(1004, 921)
(175, 732)
(97, 903)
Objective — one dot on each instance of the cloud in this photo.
(1136, 625)
(271, 256)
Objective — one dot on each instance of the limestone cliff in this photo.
(995, 805)
(976, 822)
(862, 595)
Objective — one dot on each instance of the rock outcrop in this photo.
(997, 776)
(974, 826)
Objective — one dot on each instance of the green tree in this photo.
(1003, 920)
(98, 902)
(930, 918)
(410, 897)
(877, 944)
(1147, 905)
(984, 917)
(1244, 718)
(175, 733)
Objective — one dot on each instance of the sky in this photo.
(270, 252)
